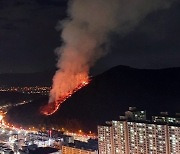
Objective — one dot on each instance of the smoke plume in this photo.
(85, 35)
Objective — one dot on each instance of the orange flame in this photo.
(52, 107)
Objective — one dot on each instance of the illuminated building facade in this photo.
(78, 147)
(174, 139)
(151, 138)
(119, 136)
(105, 139)
(75, 150)
(134, 134)
(136, 137)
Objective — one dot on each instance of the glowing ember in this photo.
(52, 107)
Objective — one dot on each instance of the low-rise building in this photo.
(79, 148)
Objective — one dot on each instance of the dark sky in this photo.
(28, 38)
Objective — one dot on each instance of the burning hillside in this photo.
(105, 97)
(52, 107)
(85, 36)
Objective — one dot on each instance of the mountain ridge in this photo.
(107, 96)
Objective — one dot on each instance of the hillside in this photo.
(107, 96)
(15, 97)
(27, 79)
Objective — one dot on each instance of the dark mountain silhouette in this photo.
(15, 97)
(27, 79)
(107, 96)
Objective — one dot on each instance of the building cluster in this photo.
(43, 90)
(134, 134)
(64, 144)
(27, 142)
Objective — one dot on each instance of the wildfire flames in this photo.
(52, 107)
(85, 36)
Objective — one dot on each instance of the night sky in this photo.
(28, 38)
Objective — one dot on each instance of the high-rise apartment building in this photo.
(174, 139)
(105, 139)
(134, 134)
(119, 136)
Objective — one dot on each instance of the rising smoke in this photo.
(85, 34)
